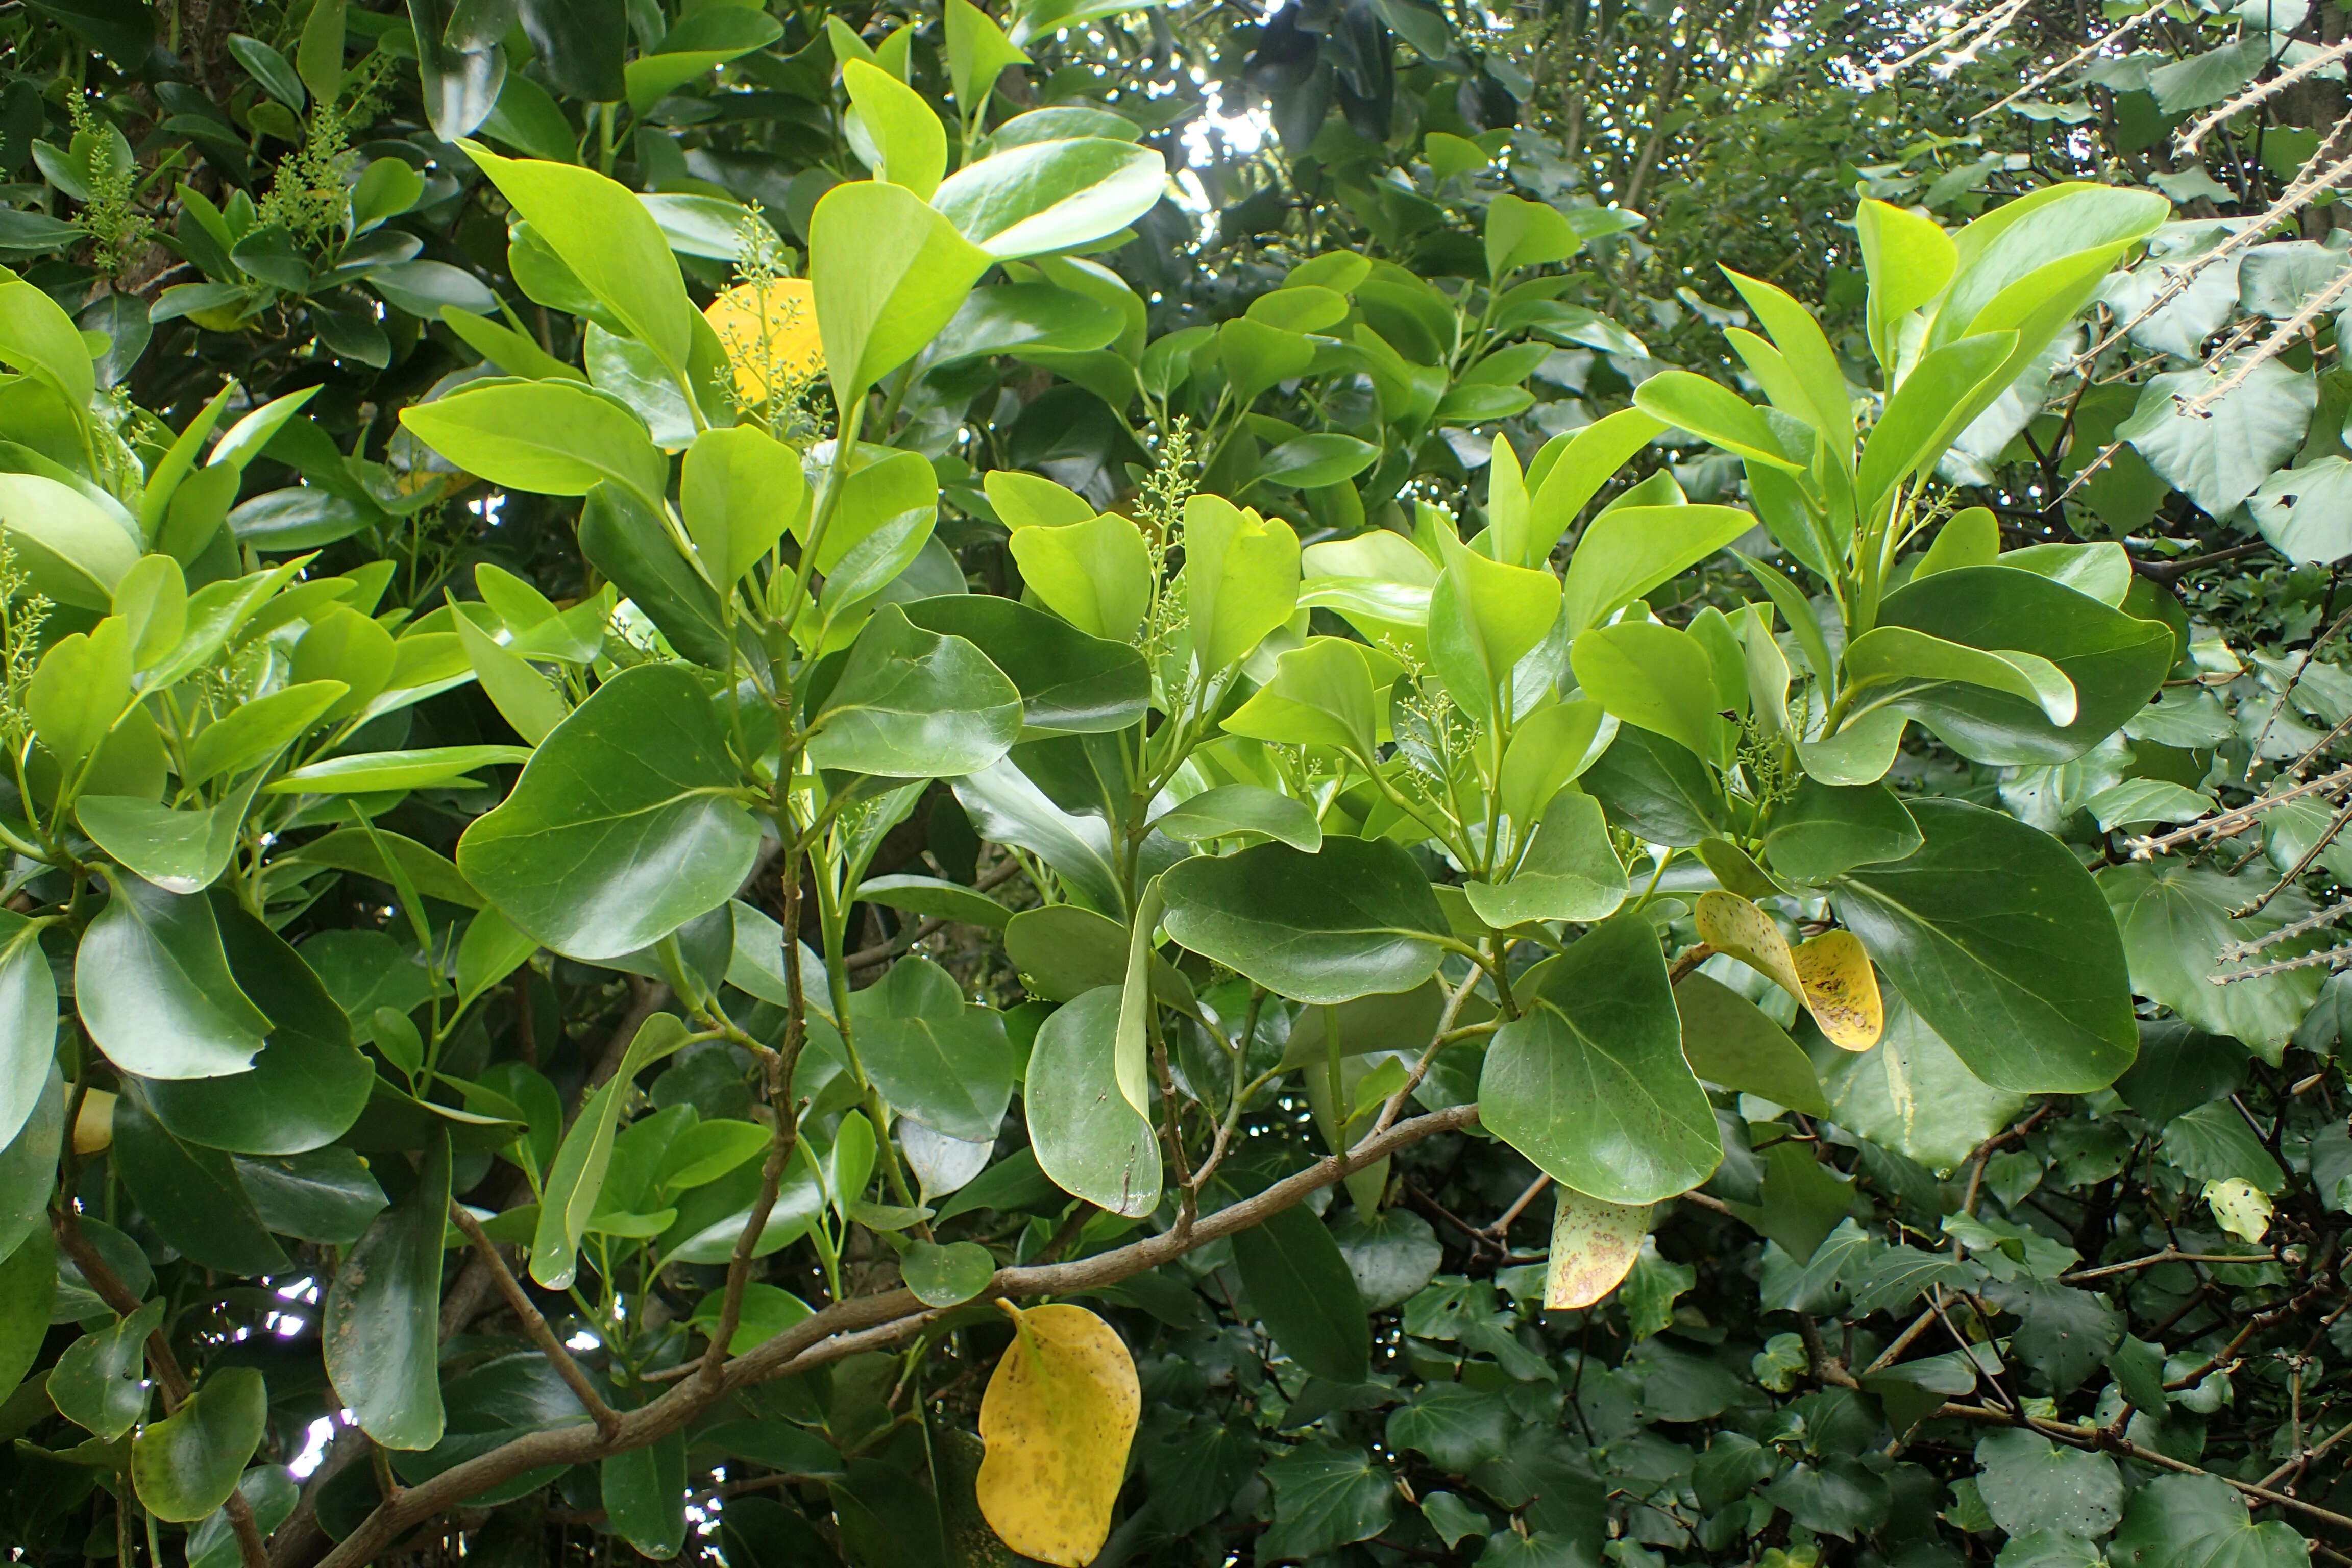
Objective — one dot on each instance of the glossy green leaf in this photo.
(622, 826)
(644, 1491)
(910, 145)
(1301, 1288)
(1570, 871)
(1051, 196)
(1713, 412)
(187, 1465)
(99, 1381)
(379, 772)
(1727, 1040)
(1899, 654)
(191, 1196)
(1483, 618)
(1627, 551)
(380, 1326)
(1087, 1137)
(1241, 579)
(1911, 1093)
(154, 988)
(2114, 661)
(1932, 406)
(1238, 811)
(915, 704)
(624, 538)
(28, 1023)
(575, 1182)
(1590, 1082)
(610, 242)
(1656, 678)
(889, 273)
(1825, 829)
(558, 438)
(308, 1084)
(1331, 692)
(935, 1057)
(1070, 682)
(1998, 937)
(1358, 917)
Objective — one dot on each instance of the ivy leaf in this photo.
(2198, 1518)
(1326, 1496)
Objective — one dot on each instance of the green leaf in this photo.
(524, 698)
(947, 1275)
(978, 53)
(1913, 1094)
(381, 1326)
(1062, 952)
(608, 239)
(383, 772)
(325, 1195)
(2302, 511)
(2198, 1518)
(2176, 919)
(310, 1083)
(1300, 1287)
(1652, 787)
(1326, 1496)
(569, 1197)
(889, 273)
(191, 1196)
(1713, 413)
(910, 145)
(1311, 462)
(1628, 551)
(2213, 1143)
(1087, 1139)
(917, 895)
(252, 731)
(2114, 661)
(1239, 810)
(1070, 683)
(697, 45)
(626, 539)
(29, 1165)
(1859, 754)
(914, 704)
(1727, 1040)
(557, 437)
(1521, 233)
(1570, 871)
(28, 1023)
(1483, 618)
(1889, 653)
(2030, 1483)
(1241, 580)
(2222, 456)
(185, 1466)
(154, 989)
(28, 1288)
(1356, 918)
(1999, 939)
(69, 549)
(1907, 260)
(1590, 1082)
(1052, 195)
(1334, 692)
(1095, 574)
(1927, 413)
(644, 1491)
(741, 489)
(99, 1381)
(944, 1063)
(1657, 677)
(1826, 830)
(622, 826)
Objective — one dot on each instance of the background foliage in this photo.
(1351, 751)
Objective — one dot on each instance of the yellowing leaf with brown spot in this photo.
(1057, 1420)
(1831, 975)
(769, 330)
(1841, 989)
(1729, 923)
(1593, 1244)
(2240, 1208)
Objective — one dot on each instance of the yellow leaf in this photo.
(1593, 1244)
(1729, 923)
(2240, 1208)
(1831, 975)
(94, 1128)
(1057, 1421)
(1841, 989)
(769, 330)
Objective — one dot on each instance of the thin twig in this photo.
(534, 1324)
